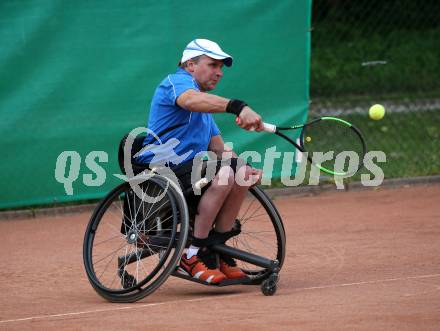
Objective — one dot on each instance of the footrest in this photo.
(226, 282)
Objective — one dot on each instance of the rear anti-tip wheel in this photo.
(269, 285)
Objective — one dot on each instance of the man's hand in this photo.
(250, 120)
(248, 176)
(256, 175)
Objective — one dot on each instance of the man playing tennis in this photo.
(180, 109)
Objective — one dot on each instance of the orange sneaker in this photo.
(203, 266)
(229, 267)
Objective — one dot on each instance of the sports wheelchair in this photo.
(132, 244)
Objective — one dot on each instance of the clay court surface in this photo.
(364, 260)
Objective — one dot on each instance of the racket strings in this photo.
(333, 145)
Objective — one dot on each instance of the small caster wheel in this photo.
(269, 286)
(127, 280)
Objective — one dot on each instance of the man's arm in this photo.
(218, 146)
(202, 102)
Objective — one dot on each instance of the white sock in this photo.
(192, 250)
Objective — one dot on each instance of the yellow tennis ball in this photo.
(376, 112)
(308, 139)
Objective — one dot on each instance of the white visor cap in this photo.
(206, 47)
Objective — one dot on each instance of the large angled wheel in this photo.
(133, 242)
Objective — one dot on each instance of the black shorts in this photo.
(203, 169)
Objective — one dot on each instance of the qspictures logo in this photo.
(68, 165)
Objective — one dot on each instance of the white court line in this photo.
(212, 298)
(367, 282)
(114, 309)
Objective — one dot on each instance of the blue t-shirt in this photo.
(183, 133)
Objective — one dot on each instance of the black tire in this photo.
(262, 233)
(269, 285)
(132, 246)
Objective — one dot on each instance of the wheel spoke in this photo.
(244, 214)
(109, 239)
(252, 215)
(261, 240)
(112, 252)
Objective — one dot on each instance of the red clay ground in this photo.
(366, 260)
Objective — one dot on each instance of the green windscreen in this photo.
(76, 76)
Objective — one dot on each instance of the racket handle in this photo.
(269, 127)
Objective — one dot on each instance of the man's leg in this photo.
(212, 200)
(227, 215)
(229, 211)
(231, 206)
(199, 260)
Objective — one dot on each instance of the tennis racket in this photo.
(329, 136)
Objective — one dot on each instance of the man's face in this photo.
(207, 72)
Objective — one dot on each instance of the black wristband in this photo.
(235, 106)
